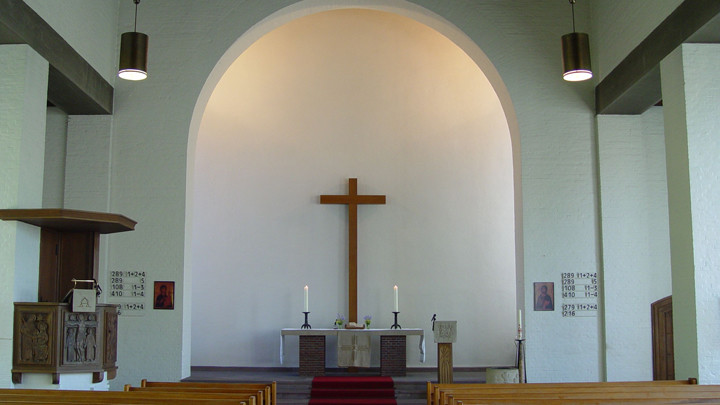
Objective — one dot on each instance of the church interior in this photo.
(284, 171)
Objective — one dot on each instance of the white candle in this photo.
(306, 299)
(519, 324)
(396, 299)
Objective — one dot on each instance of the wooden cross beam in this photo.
(352, 199)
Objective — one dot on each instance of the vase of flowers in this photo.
(339, 321)
(367, 319)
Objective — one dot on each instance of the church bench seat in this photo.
(32, 396)
(434, 388)
(259, 396)
(596, 401)
(46, 401)
(270, 388)
(596, 397)
(445, 394)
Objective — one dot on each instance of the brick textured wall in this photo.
(393, 355)
(312, 355)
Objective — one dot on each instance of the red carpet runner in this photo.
(352, 391)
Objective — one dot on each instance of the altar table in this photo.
(312, 347)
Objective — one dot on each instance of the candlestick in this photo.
(396, 325)
(306, 325)
(306, 299)
(396, 298)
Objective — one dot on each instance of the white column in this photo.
(691, 99)
(23, 101)
(635, 242)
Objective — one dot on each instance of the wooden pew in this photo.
(433, 389)
(258, 396)
(613, 392)
(521, 401)
(269, 388)
(469, 398)
(48, 397)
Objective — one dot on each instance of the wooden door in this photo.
(662, 336)
(48, 277)
(64, 256)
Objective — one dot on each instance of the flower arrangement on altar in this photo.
(367, 319)
(339, 321)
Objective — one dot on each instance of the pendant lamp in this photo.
(576, 54)
(133, 53)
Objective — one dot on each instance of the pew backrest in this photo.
(270, 387)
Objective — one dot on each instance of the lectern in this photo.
(445, 335)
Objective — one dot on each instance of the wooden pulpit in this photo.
(49, 338)
(445, 333)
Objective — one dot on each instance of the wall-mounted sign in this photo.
(127, 289)
(579, 292)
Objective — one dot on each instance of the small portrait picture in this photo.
(164, 295)
(544, 296)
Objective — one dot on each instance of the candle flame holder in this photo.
(396, 325)
(306, 325)
(520, 359)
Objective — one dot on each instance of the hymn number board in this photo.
(579, 294)
(128, 290)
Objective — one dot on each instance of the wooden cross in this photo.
(352, 199)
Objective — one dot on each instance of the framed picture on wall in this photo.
(544, 296)
(164, 295)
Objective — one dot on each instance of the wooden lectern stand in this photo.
(445, 335)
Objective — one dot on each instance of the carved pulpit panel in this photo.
(445, 331)
(111, 328)
(34, 337)
(80, 346)
(50, 338)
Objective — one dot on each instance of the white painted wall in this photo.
(89, 26)
(636, 245)
(521, 41)
(87, 171)
(341, 94)
(55, 151)
(153, 141)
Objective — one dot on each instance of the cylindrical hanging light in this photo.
(133, 53)
(576, 54)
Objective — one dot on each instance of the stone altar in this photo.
(392, 347)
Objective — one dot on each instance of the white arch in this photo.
(308, 7)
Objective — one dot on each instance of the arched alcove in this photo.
(376, 94)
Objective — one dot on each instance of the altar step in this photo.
(293, 389)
